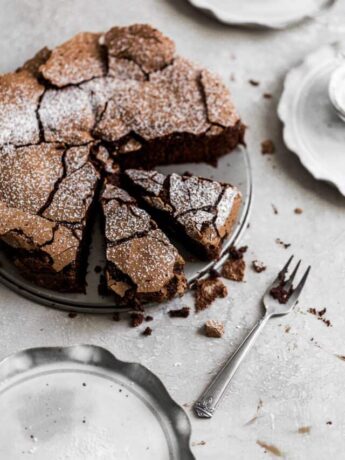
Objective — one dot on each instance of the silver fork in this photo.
(211, 397)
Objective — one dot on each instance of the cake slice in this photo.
(142, 265)
(46, 197)
(200, 211)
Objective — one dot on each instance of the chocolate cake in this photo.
(200, 211)
(142, 264)
(72, 118)
(46, 196)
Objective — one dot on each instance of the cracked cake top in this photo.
(127, 81)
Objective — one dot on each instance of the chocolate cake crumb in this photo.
(275, 210)
(304, 430)
(298, 211)
(234, 269)
(267, 147)
(237, 253)
(98, 269)
(71, 314)
(116, 316)
(258, 266)
(136, 319)
(267, 96)
(254, 82)
(148, 318)
(181, 313)
(320, 315)
(147, 331)
(214, 329)
(213, 273)
(207, 291)
(103, 287)
(329, 422)
(280, 293)
(198, 443)
(281, 243)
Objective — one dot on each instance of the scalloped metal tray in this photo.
(233, 168)
(312, 128)
(262, 14)
(81, 403)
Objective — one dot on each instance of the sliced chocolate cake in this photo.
(46, 193)
(201, 211)
(142, 265)
(94, 105)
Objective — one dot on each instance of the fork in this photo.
(211, 397)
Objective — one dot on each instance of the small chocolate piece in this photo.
(258, 266)
(136, 319)
(214, 329)
(142, 265)
(147, 331)
(207, 291)
(281, 243)
(180, 313)
(200, 211)
(298, 211)
(148, 318)
(254, 82)
(267, 147)
(320, 315)
(234, 269)
(116, 317)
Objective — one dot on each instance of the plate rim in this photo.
(151, 383)
(260, 24)
(286, 106)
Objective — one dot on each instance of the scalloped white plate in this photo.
(271, 14)
(81, 403)
(312, 128)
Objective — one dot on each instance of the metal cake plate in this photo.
(233, 168)
(262, 14)
(81, 403)
(312, 127)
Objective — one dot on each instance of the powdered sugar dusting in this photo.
(19, 97)
(66, 116)
(77, 60)
(73, 196)
(28, 175)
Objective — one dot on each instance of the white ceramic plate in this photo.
(312, 128)
(233, 168)
(81, 403)
(272, 14)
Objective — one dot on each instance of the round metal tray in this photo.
(81, 403)
(233, 168)
(312, 127)
(262, 14)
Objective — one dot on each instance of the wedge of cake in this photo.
(142, 265)
(46, 197)
(201, 211)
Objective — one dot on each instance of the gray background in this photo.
(300, 381)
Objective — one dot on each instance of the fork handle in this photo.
(206, 405)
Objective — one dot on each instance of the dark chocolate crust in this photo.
(79, 113)
(200, 211)
(142, 265)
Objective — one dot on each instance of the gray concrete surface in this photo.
(293, 374)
